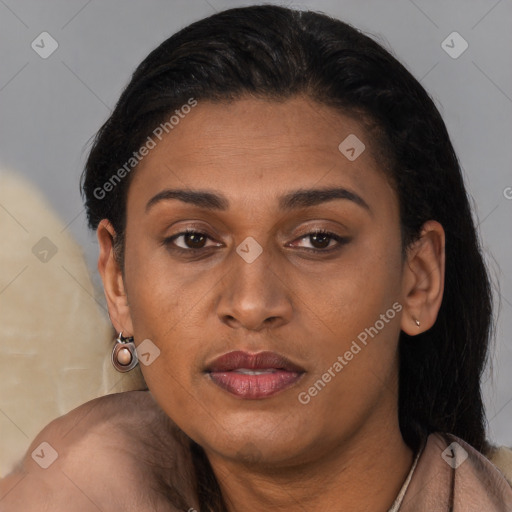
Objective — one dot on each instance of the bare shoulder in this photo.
(117, 452)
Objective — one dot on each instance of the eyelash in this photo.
(339, 239)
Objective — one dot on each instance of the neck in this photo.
(362, 473)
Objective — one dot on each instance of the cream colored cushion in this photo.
(55, 337)
(501, 456)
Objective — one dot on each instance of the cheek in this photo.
(359, 304)
(159, 310)
(363, 285)
(160, 292)
(357, 357)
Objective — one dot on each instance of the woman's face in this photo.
(250, 281)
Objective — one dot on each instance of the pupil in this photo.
(324, 239)
(195, 240)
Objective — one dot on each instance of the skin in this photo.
(276, 453)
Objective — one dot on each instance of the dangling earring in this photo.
(124, 355)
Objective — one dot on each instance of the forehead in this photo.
(260, 146)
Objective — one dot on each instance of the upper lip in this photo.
(261, 360)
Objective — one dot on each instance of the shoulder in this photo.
(108, 452)
(452, 471)
(492, 457)
(479, 480)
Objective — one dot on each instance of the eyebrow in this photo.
(302, 198)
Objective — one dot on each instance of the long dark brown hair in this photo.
(275, 53)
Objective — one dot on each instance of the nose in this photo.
(255, 296)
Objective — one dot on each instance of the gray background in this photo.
(50, 108)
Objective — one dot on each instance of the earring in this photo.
(124, 356)
(417, 322)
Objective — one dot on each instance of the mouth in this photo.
(253, 376)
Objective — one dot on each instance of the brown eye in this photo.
(194, 240)
(321, 241)
(188, 241)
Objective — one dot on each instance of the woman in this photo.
(287, 250)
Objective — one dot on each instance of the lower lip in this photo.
(252, 387)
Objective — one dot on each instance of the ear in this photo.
(113, 281)
(423, 279)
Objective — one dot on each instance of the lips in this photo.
(262, 361)
(253, 376)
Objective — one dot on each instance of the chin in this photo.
(251, 445)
